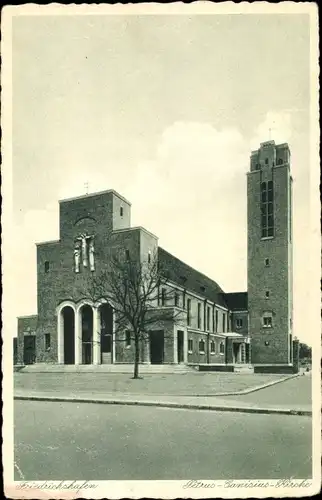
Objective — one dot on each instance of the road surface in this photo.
(67, 441)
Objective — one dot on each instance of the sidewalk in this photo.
(183, 402)
(190, 384)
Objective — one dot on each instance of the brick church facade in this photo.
(215, 329)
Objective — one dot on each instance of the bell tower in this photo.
(269, 271)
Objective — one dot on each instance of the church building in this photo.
(217, 330)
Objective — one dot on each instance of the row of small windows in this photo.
(267, 318)
(280, 161)
(202, 344)
(208, 316)
(202, 347)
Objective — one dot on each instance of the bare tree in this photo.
(134, 289)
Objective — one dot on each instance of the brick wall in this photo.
(196, 357)
(27, 325)
(243, 316)
(94, 215)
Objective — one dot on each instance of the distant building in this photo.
(219, 328)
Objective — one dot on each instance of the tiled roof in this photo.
(187, 277)
(237, 301)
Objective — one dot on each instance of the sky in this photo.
(165, 109)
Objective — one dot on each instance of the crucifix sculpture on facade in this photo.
(84, 244)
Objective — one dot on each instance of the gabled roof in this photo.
(187, 277)
(237, 301)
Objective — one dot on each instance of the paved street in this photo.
(97, 442)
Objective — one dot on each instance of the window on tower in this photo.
(267, 215)
(267, 319)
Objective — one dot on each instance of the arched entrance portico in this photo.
(85, 333)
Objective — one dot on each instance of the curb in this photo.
(237, 393)
(242, 392)
(254, 389)
(186, 406)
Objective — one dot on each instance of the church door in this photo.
(157, 347)
(29, 354)
(180, 346)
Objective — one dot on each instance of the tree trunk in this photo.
(136, 356)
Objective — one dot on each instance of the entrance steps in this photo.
(243, 369)
(112, 368)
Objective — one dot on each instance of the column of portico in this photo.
(78, 336)
(147, 354)
(113, 340)
(185, 346)
(175, 345)
(96, 336)
(241, 355)
(60, 338)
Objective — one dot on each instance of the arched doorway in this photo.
(106, 333)
(86, 313)
(68, 318)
